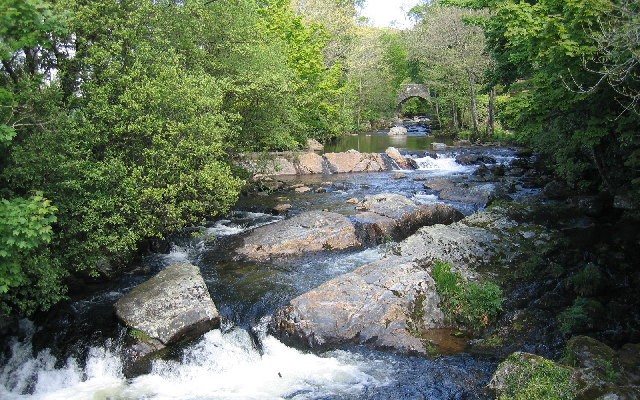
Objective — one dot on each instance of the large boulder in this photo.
(354, 161)
(595, 371)
(385, 304)
(391, 303)
(529, 376)
(310, 163)
(394, 216)
(603, 371)
(475, 240)
(172, 306)
(307, 232)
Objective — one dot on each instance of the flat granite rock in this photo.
(311, 231)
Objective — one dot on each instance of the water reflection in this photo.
(378, 142)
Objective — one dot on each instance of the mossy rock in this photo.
(525, 376)
(587, 352)
(602, 371)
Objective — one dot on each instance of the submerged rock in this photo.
(476, 193)
(172, 306)
(474, 159)
(438, 146)
(307, 232)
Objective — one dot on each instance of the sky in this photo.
(388, 12)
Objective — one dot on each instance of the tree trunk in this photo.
(596, 153)
(491, 119)
(455, 118)
(438, 113)
(474, 108)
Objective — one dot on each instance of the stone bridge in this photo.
(411, 90)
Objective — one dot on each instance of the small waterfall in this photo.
(326, 167)
(444, 164)
(390, 163)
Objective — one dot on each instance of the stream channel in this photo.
(76, 353)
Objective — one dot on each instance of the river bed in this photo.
(78, 354)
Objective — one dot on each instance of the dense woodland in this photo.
(120, 120)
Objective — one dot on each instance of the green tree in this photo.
(451, 49)
(376, 67)
(547, 53)
(28, 278)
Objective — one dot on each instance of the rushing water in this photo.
(83, 359)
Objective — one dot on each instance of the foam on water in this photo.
(220, 366)
(225, 228)
(442, 164)
(178, 254)
(240, 222)
(226, 366)
(426, 199)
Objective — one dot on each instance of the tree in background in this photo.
(28, 278)
(338, 18)
(450, 48)
(377, 67)
(320, 93)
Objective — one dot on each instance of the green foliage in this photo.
(471, 304)
(537, 379)
(580, 316)
(139, 335)
(549, 56)
(132, 137)
(26, 273)
(415, 106)
(586, 281)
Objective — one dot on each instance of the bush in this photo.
(580, 316)
(586, 281)
(469, 304)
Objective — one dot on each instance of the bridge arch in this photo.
(411, 90)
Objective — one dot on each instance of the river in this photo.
(77, 353)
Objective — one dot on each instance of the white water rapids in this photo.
(225, 364)
(220, 366)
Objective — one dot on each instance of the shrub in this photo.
(472, 305)
(580, 316)
(586, 281)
